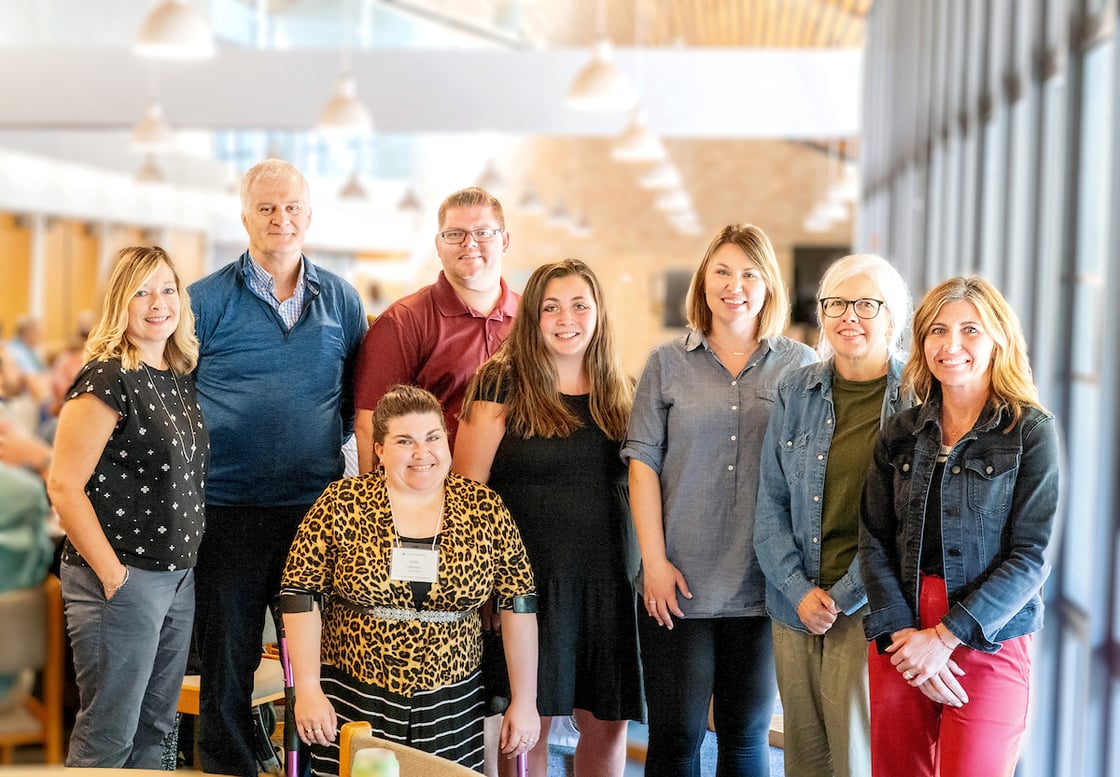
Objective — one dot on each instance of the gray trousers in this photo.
(130, 654)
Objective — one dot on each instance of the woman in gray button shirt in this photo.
(693, 447)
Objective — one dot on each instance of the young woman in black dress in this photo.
(541, 424)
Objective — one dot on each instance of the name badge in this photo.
(417, 565)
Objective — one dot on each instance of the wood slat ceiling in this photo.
(730, 23)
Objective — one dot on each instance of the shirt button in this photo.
(956, 470)
(734, 383)
(820, 457)
(816, 540)
(816, 499)
(905, 467)
(732, 438)
(829, 421)
(789, 443)
(734, 407)
(730, 467)
(989, 469)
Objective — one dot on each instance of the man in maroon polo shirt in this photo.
(437, 337)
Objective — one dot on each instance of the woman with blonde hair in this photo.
(956, 518)
(542, 422)
(127, 482)
(693, 446)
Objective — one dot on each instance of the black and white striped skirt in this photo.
(445, 721)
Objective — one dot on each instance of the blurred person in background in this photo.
(693, 446)
(541, 424)
(814, 463)
(956, 518)
(26, 549)
(127, 481)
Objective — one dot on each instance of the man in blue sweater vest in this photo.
(278, 339)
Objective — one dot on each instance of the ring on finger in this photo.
(907, 675)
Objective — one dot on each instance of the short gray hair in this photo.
(272, 169)
(896, 297)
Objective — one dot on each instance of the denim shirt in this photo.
(999, 496)
(788, 514)
(700, 428)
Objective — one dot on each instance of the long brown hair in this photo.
(109, 339)
(774, 316)
(1012, 386)
(523, 366)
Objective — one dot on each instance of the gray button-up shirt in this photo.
(701, 429)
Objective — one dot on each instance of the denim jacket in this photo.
(788, 513)
(999, 496)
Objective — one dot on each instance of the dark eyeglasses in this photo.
(865, 307)
(454, 237)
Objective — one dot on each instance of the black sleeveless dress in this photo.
(569, 499)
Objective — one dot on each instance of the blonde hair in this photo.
(109, 337)
(472, 197)
(1012, 387)
(774, 316)
(524, 365)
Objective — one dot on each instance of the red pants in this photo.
(912, 736)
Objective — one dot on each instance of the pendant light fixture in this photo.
(601, 86)
(559, 217)
(530, 202)
(152, 132)
(663, 176)
(150, 172)
(409, 202)
(490, 180)
(344, 112)
(174, 29)
(638, 143)
(353, 188)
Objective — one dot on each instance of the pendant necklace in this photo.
(171, 418)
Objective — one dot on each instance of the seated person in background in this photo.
(25, 548)
(399, 561)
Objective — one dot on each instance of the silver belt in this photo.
(424, 616)
(406, 614)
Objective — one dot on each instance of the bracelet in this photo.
(114, 588)
(939, 639)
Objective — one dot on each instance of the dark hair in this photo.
(402, 400)
(523, 365)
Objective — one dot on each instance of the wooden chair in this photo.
(36, 635)
(414, 763)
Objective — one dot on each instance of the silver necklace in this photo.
(186, 416)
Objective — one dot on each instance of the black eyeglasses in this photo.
(454, 237)
(865, 307)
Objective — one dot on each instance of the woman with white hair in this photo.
(814, 463)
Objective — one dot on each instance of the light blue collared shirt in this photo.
(264, 285)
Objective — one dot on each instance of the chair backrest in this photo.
(24, 615)
(414, 763)
(36, 640)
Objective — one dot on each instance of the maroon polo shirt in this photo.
(434, 340)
